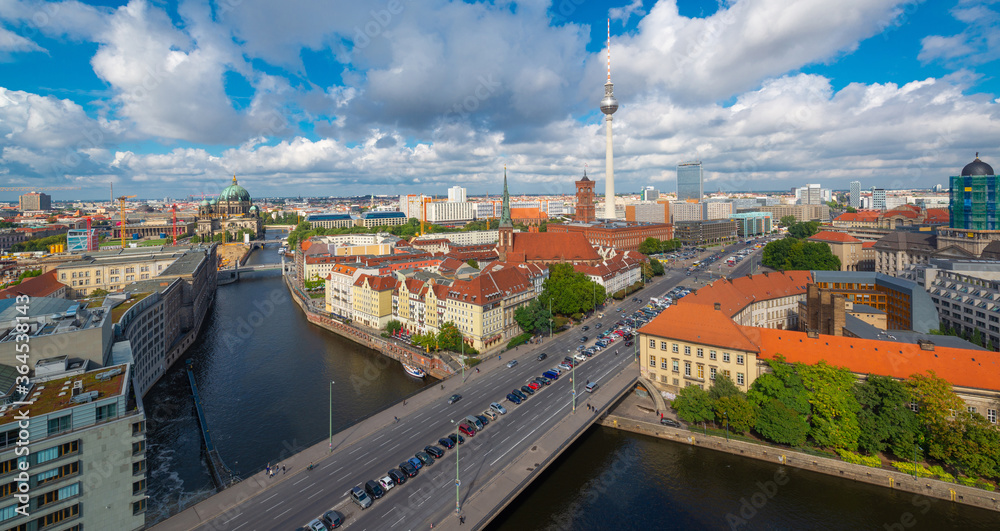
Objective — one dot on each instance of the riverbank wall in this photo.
(433, 365)
(832, 467)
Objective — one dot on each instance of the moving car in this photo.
(542, 356)
(454, 398)
(591, 387)
(361, 498)
(511, 364)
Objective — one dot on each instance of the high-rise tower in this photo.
(608, 106)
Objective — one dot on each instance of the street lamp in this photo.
(331, 415)
(458, 482)
(726, 414)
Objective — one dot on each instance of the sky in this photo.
(167, 98)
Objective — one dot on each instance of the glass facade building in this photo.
(974, 203)
(689, 181)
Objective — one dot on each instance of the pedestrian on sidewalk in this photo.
(282, 469)
(461, 520)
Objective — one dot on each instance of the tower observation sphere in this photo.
(609, 104)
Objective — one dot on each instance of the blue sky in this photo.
(312, 97)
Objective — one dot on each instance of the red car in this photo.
(467, 430)
(534, 386)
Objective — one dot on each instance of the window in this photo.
(663, 344)
(687, 368)
(58, 516)
(677, 366)
(913, 406)
(57, 495)
(107, 412)
(56, 452)
(8, 512)
(701, 371)
(138, 467)
(138, 447)
(726, 373)
(57, 473)
(725, 357)
(739, 359)
(739, 378)
(652, 361)
(700, 353)
(687, 350)
(972, 409)
(711, 355)
(674, 348)
(991, 415)
(663, 363)
(138, 428)
(711, 372)
(139, 487)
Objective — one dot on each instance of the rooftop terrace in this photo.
(57, 394)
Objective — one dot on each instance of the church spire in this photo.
(505, 220)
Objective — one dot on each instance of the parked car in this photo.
(415, 463)
(398, 476)
(557, 370)
(425, 458)
(446, 442)
(513, 398)
(534, 385)
(519, 394)
(542, 356)
(495, 406)
(475, 421)
(542, 380)
(454, 398)
(527, 390)
(483, 420)
(457, 439)
(550, 375)
(373, 489)
(490, 414)
(565, 366)
(580, 357)
(360, 498)
(670, 422)
(333, 519)
(317, 525)
(511, 363)
(387, 483)
(407, 468)
(434, 451)
(469, 431)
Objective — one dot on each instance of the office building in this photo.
(966, 294)
(750, 224)
(975, 198)
(648, 212)
(855, 194)
(87, 465)
(35, 201)
(799, 212)
(717, 210)
(650, 194)
(456, 194)
(619, 235)
(708, 231)
(906, 304)
(878, 199)
(450, 212)
(810, 194)
(686, 211)
(690, 181)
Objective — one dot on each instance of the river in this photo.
(264, 374)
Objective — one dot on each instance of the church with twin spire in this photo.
(540, 247)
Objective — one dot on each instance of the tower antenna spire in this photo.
(609, 50)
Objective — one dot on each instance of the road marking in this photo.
(307, 486)
(279, 516)
(231, 519)
(401, 518)
(241, 525)
(528, 435)
(370, 462)
(331, 464)
(299, 481)
(269, 497)
(359, 448)
(315, 494)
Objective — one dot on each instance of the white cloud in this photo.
(978, 43)
(12, 42)
(626, 12)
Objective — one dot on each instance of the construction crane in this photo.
(37, 188)
(121, 214)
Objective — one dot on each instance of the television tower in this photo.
(608, 106)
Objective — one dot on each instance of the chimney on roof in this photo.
(812, 333)
(925, 344)
(718, 306)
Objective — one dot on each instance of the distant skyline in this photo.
(172, 98)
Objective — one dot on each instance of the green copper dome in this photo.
(235, 193)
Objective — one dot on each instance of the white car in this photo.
(495, 406)
(580, 357)
(317, 525)
(556, 370)
(387, 483)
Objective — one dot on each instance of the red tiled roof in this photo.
(699, 323)
(829, 236)
(735, 295)
(554, 246)
(43, 285)
(961, 367)
(858, 216)
(376, 283)
(938, 215)
(866, 245)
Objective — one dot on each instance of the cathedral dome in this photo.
(235, 193)
(977, 167)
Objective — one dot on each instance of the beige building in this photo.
(847, 248)
(800, 212)
(372, 300)
(114, 270)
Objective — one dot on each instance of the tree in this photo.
(99, 293)
(936, 404)
(885, 419)
(393, 326)
(741, 414)
(796, 255)
(787, 221)
(571, 292)
(656, 267)
(472, 262)
(426, 341)
(723, 387)
(450, 337)
(834, 421)
(693, 405)
(650, 246)
(533, 317)
(779, 423)
(803, 229)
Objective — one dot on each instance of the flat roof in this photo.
(184, 265)
(57, 394)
